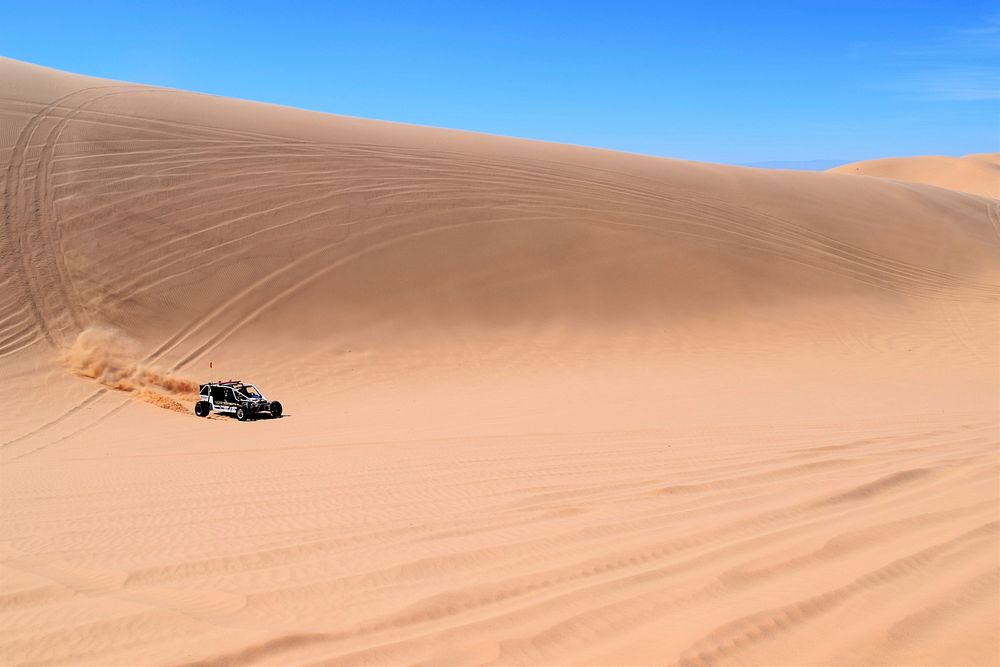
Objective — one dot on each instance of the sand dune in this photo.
(978, 174)
(544, 404)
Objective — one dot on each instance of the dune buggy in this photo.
(235, 398)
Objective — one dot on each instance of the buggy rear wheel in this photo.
(275, 409)
(202, 408)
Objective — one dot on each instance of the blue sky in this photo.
(715, 81)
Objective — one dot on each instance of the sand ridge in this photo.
(977, 174)
(544, 404)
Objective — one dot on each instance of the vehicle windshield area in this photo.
(249, 391)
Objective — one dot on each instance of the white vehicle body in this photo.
(236, 398)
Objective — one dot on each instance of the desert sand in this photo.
(978, 173)
(544, 404)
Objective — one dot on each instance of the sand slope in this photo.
(545, 404)
(978, 174)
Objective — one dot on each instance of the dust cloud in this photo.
(112, 358)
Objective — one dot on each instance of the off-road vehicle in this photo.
(235, 398)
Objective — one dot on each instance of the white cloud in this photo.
(963, 64)
(952, 84)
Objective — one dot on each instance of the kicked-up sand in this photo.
(544, 404)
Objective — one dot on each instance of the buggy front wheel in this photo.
(275, 409)
(241, 414)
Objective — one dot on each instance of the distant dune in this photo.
(978, 174)
(544, 404)
(803, 165)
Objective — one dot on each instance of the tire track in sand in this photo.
(21, 216)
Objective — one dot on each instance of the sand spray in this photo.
(111, 357)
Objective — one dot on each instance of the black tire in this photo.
(241, 414)
(202, 408)
(275, 409)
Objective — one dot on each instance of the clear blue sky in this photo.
(716, 81)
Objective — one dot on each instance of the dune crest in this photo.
(978, 174)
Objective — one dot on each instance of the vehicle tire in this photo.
(241, 414)
(275, 409)
(202, 408)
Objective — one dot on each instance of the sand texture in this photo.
(544, 404)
